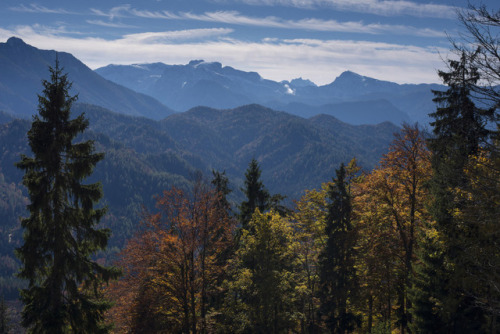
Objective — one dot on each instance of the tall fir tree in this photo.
(459, 130)
(257, 196)
(63, 293)
(337, 273)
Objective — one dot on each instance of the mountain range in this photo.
(351, 98)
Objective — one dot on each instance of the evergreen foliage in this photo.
(337, 273)
(257, 196)
(64, 283)
(221, 185)
(459, 130)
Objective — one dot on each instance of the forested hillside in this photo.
(144, 157)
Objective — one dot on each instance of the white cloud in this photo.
(109, 24)
(235, 18)
(161, 37)
(34, 8)
(118, 11)
(378, 7)
(320, 61)
(154, 15)
(128, 11)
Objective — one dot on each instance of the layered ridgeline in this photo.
(352, 98)
(294, 153)
(23, 67)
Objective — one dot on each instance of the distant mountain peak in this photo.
(350, 76)
(299, 82)
(213, 66)
(196, 62)
(16, 41)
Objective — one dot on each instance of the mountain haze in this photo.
(295, 153)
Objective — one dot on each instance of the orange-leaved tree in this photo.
(175, 266)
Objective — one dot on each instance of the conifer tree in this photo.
(256, 193)
(459, 130)
(221, 185)
(63, 291)
(337, 272)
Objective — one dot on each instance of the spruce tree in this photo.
(336, 262)
(459, 130)
(255, 192)
(63, 293)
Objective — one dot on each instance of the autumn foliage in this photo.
(174, 267)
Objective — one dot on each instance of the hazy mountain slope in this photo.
(23, 68)
(5, 117)
(295, 153)
(130, 178)
(355, 112)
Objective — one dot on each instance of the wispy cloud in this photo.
(109, 24)
(313, 24)
(277, 59)
(378, 7)
(34, 8)
(115, 12)
(128, 11)
(232, 17)
(162, 37)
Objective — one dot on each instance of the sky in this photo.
(404, 41)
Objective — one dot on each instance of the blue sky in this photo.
(401, 41)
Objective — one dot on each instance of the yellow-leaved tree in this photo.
(389, 207)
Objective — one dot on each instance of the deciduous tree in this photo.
(174, 268)
(262, 294)
(391, 209)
